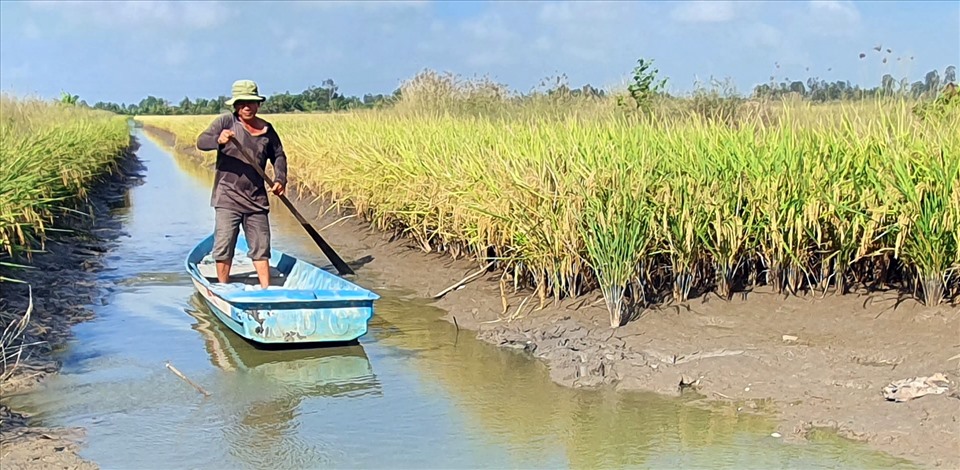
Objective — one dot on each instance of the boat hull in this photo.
(312, 306)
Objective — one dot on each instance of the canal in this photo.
(414, 393)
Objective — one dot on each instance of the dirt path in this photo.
(827, 372)
(63, 287)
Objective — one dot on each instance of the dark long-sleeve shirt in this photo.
(237, 186)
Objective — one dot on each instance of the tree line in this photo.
(327, 98)
(323, 98)
(821, 90)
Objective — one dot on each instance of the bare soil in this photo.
(62, 285)
(829, 370)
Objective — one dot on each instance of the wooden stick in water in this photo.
(185, 379)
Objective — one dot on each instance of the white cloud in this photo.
(488, 28)
(140, 14)
(777, 44)
(17, 72)
(176, 54)
(592, 32)
(845, 10)
(763, 35)
(587, 13)
(366, 5)
(832, 17)
(31, 30)
(702, 11)
(493, 41)
(289, 45)
(556, 13)
(543, 43)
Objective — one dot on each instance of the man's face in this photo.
(247, 109)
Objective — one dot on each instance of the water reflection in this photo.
(329, 371)
(510, 402)
(267, 426)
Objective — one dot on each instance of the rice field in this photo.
(826, 199)
(51, 155)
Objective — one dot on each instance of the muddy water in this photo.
(413, 393)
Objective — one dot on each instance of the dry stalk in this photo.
(503, 294)
(516, 315)
(341, 219)
(463, 281)
(14, 331)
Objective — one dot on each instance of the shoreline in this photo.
(810, 361)
(64, 286)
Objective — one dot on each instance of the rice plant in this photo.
(666, 205)
(51, 154)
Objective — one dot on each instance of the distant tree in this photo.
(185, 107)
(798, 88)
(932, 81)
(950, 74)
(67, 98)
(886, 83)
(331, 91)
(645, 84)
(917, 89)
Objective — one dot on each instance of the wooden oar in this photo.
(338, 263)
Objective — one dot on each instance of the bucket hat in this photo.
(244, 90)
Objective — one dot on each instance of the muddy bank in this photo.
(811, 362)
(62, 284)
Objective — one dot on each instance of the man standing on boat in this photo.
(239, 194)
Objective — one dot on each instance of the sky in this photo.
(122, 52)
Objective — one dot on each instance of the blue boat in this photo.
(303, 304)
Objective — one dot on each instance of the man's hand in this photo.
(277, 188)
(225, 136)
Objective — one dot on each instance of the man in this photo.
(239, 196)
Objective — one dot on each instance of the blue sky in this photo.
(122, 52)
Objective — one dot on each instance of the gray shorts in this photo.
(256, 229)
